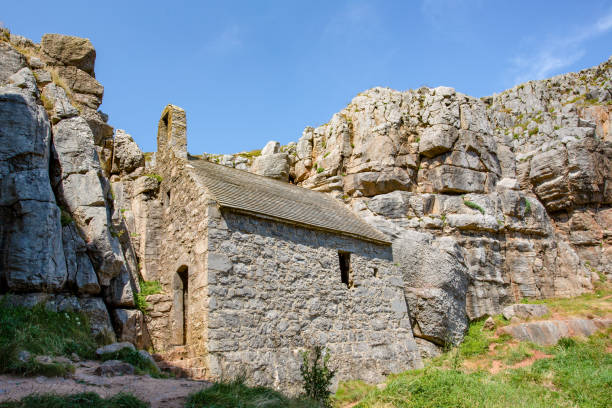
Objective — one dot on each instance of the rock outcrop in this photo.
(58, 241)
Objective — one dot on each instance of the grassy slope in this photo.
(41, 332)
(575, 373)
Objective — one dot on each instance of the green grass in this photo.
(352, 391)
(146, 288)
(83, 400)
(235, 394)
(251, 154)
(474, 206)
(583, 305)
(527, 207)
(433, 387)
(42, 332)
(477, 340)
(155, 177)
(578, 374)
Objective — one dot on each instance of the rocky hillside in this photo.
(487, 200)
(57, 237)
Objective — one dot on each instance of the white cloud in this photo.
(557, 53)
(228, 40)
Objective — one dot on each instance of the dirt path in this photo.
(160, 393)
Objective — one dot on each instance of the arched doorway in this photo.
(180, 305)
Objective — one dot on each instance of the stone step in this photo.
(194, 368)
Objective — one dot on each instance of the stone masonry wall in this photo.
(275, 289)
(183, 244)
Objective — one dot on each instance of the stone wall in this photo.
(275, 289)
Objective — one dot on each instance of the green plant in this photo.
(320, 170)
(474, 206)
(155, 177)
(82, 400)
(65, 217)
(146, 288)
(534, 131)
(317, 375)
(527, 207)
(326, 154)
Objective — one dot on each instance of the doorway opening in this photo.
(181, 302)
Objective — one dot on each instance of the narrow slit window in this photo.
(345, 267)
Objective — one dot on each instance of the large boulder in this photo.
(68, 50)
(126, 154)
(549, 332)
(436, 285)
(524, 311)
(274, 165)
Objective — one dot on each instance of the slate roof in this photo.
(258, 195)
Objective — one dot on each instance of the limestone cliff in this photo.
(59, 243)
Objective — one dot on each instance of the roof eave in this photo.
(304, 225)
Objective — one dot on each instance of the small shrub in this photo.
(155, 177)
(534, 131)
(474, 206)
(326, 154)
(527, 207)
(65, 217)
(320, 170)
(146, 288)
(317, 375)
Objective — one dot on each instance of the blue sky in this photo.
(251, 71)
